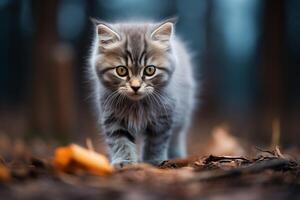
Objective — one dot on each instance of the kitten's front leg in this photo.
(122, 148)
(155, 148)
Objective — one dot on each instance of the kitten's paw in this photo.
(175, 154)
(121, 164)
(154, 162)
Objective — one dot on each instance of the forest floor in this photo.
(266, 175)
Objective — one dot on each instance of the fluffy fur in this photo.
(156, 107)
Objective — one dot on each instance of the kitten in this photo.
(143, 86)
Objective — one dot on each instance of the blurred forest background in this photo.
(246, 56)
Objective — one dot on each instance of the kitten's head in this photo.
(134, 60)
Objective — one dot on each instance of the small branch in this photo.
(212, 158)
(274, 164)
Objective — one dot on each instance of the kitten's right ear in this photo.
(163, 34)
(106, 34)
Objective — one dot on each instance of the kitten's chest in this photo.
(136, 117)
(136, 120)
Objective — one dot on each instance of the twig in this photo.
(212, 158)
(264, 151)
(275, 132)
(89, 144)
(275, 164)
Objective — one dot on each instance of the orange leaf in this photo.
(4, 173)
(74, 158)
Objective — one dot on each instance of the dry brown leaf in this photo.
(223, 143)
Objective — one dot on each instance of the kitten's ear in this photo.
(95, 21)
(163, 32)
(107, 35)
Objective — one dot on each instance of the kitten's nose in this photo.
(135, 88)
(135, 84)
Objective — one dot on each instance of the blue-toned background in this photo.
(246, 56)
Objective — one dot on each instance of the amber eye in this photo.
(122, 71)
(149, 70)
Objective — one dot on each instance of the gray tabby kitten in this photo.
(143, 86)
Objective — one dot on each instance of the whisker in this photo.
(159, 97)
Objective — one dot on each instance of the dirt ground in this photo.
(265, 175)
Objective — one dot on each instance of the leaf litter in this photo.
(77, 172)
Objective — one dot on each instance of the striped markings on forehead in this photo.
(135, 50)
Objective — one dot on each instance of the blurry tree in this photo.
(53, 108)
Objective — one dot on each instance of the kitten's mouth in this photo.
(136, 96)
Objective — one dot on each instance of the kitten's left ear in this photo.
(163, 32)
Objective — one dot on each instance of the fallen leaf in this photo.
(74, 158)
(4, 173)
(223, 143)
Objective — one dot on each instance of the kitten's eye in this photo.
(149, 70)
(122, 71)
